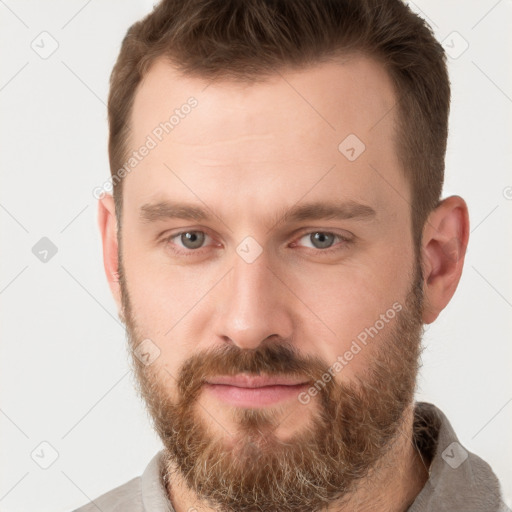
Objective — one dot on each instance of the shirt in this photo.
(459, 481)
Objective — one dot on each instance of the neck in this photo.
(391, 486)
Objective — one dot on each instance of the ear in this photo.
(444, 242)
(107, 223)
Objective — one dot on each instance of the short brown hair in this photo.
(249, 39)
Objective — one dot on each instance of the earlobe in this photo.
(445, 238)
(107, 224)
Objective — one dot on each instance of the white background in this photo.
(64, 375)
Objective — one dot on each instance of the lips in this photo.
(256, 381)
(252, 391)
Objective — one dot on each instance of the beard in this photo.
(348, 431)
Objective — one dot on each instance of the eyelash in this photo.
(191, 252)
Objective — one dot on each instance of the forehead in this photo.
(272, 140)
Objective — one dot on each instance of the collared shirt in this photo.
(459, 481)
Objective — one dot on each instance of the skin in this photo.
(249, 153)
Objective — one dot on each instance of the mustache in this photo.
(277, 359)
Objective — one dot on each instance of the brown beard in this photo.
(351, 426)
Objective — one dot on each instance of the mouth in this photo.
(255, 390)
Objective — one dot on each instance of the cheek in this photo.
(351, 295)
(347, 299)
(163, 299)
(161, 292)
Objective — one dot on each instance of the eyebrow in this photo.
(163, 210)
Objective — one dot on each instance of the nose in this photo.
(255, 304)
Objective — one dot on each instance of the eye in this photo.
(325, 240)
(190, 240)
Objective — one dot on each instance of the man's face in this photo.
(330, 303)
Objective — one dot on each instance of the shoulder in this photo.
(458, 478)
(127, 498)
(145, 492)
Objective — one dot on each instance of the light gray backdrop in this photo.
(64, 376)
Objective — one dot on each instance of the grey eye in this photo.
(321, 239)
(192, 239)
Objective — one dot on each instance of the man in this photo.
(275, 243)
